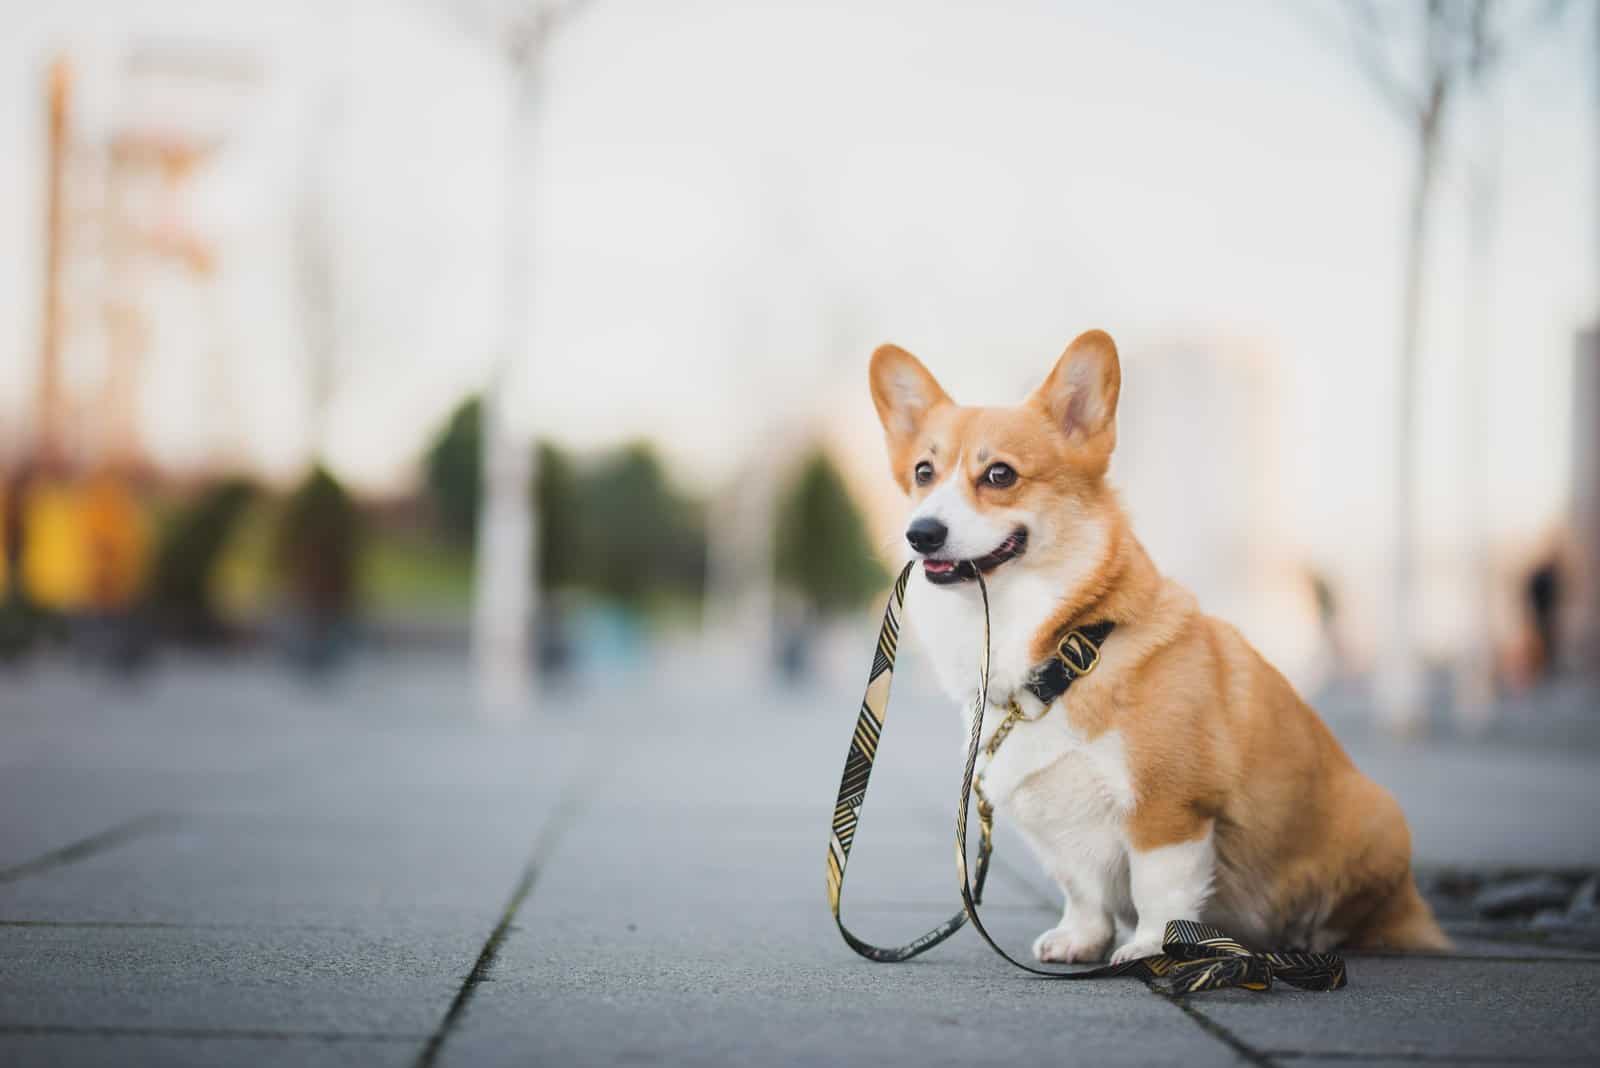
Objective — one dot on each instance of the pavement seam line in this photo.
(1412, 1056)
(85, 848)
(564, 814)
(1239, 1046)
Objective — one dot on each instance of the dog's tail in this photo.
(1404, 922)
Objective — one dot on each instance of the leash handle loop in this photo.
(853, 791)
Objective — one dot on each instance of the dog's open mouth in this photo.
(949, 572)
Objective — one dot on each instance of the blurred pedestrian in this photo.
(318, 552)
(1543, 591)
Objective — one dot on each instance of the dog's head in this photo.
(1001, 487)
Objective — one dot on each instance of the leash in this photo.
(1195, 956)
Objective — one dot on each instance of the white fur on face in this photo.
(1022, 598)
(972, 533)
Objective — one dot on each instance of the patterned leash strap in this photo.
(853, 792)
(1195, 956)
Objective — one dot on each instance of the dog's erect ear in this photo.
(903, 392)
(1081, 393)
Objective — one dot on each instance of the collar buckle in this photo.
(1078, 652)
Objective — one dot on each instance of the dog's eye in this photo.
(1000, 476)
(923, 473)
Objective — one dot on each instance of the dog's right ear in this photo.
(904, 393)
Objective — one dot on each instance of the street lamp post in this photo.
(505, 590)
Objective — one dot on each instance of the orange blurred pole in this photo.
(48, 444)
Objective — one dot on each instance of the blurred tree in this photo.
(319, 539)
(181, 595)
(453, 471)
(639, 536)
(19, 618)
(454, 465)
(505, 601)
(823, 552)
(556, 493)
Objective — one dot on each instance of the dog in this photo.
(1182, 777)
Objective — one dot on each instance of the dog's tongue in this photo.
(938, 567)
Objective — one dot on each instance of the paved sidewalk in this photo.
(223, 867)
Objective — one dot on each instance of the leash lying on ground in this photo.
(1194, 957)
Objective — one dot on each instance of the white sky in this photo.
(736, 201)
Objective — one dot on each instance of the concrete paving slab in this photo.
(251, 870)
(291, 981)
(774, 1028)
(703, 987)
(1491, 807)
(119, 1050)
(1432, 1008)
(52, 808)
(1422, 1062)
(342, 857)
(616, 956)
(1481, 948)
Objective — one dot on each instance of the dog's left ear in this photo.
(1080, 395)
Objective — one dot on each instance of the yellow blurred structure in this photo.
(117, 540)
(86, 545)
(55, 571)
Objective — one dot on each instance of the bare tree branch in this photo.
(1462, 40)
(1367, 33)
(517, 28)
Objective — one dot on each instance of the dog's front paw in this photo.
(1142, 944)
(1063, 945)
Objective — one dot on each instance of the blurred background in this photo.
(529, 340)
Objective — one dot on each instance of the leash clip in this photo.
(1077, 652)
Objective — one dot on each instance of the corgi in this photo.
(1182, 778)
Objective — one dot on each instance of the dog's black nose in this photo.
(926, 535)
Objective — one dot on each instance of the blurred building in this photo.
(129, 267)
(1197, 465)
(1586, 495)
(742, 603)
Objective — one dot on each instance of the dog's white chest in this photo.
(1069, 798)
(1046, 770)
(1067, 794)
(949, 620)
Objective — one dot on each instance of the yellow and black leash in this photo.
(1194, 957)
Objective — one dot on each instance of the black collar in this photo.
(1076, 654)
